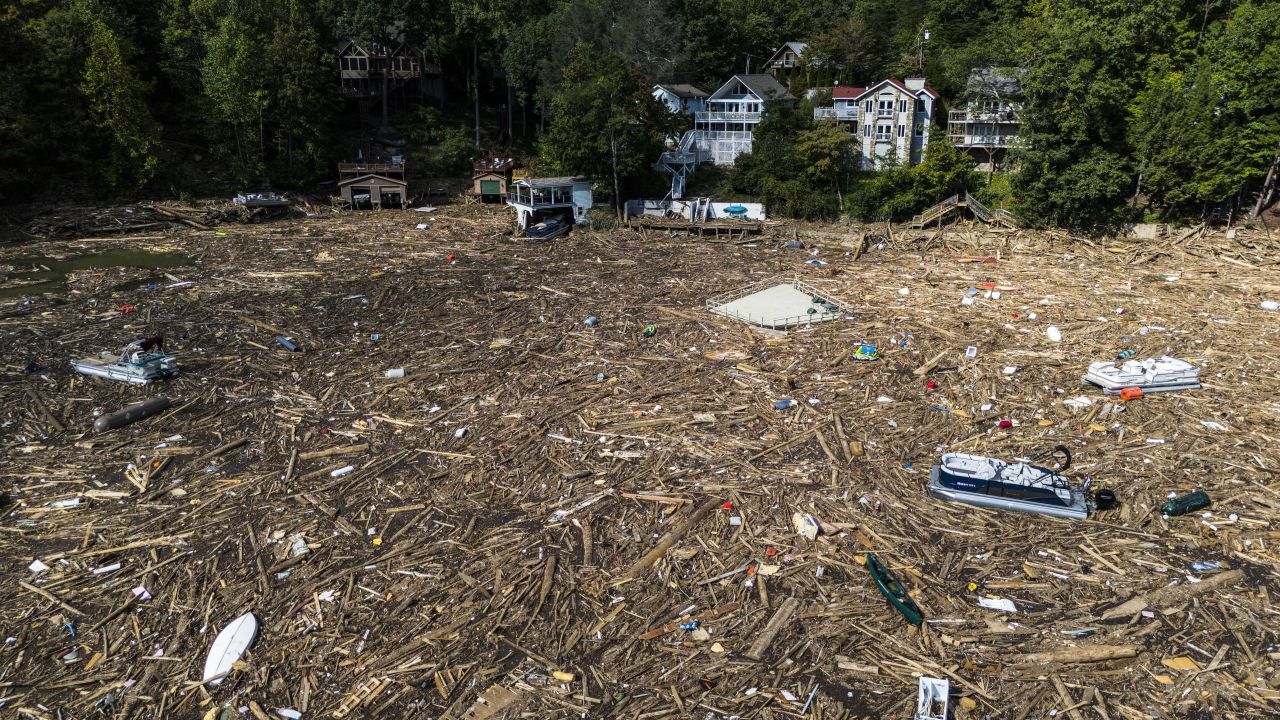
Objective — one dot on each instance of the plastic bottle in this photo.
(1126, 354)
(394, 373)
(1185, 504)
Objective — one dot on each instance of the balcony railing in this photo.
(726, 135)
(727, 117)
(884, 112)
(371, 168)
(562, 198)
(835, 113)
(984, 116)
(981, 141)
(884, 138)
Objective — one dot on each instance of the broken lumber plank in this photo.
(771, 629)
(1169, 595)
(671, 538)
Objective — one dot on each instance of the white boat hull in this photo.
(1152, 375)
(109, 367)
(1079, 510)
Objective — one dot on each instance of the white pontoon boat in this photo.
(1152, 375)
(992, 483)
(140, 363)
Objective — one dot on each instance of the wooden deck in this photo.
(715, 228)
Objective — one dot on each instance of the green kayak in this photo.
(893, 591)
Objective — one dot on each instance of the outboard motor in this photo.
(1104, 499)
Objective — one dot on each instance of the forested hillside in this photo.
(1133, 109)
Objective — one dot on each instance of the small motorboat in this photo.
(261, 199)
(141, 362)
(548, 229)
(1022, 486)
(1160, 374)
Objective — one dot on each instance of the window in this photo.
(886, 107)
(868, 106)
(884, 131)
(346, 64)
(919, 129)
(902, 106)
(866, 131)
(902, 131)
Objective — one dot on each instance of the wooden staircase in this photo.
(980, 211)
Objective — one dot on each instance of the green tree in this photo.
(846, 52)
(827, 151)
(1245, 57)
(605, 124)
(1184, 151)
(118, 98)
(1074, 164)
(232, 80)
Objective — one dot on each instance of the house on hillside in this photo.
(890, 118)
(370, 186)
(786, 60)
(681, 99)
(989, 121)
(537, 199)
(725, 130)
(361, 68)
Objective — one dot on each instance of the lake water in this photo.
(31, 278)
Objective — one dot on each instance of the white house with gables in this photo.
(681, 99)
(888, 118)
(725, 129)
(733, 112)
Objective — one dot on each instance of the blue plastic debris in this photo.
(866, 353)
(285, 343)
(783, 404)
(691, 625)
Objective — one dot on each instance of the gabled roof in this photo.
(687, 92)
(796, 47)
(550, 181)
(362, 178)
(845, 92)
(997, 82)
(927, 91)
(764, 87)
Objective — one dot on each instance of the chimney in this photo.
(914, 84)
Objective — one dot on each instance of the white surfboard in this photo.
(227, 648)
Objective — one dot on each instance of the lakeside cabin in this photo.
(491, 179)
(536, 199)
(373, 186)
